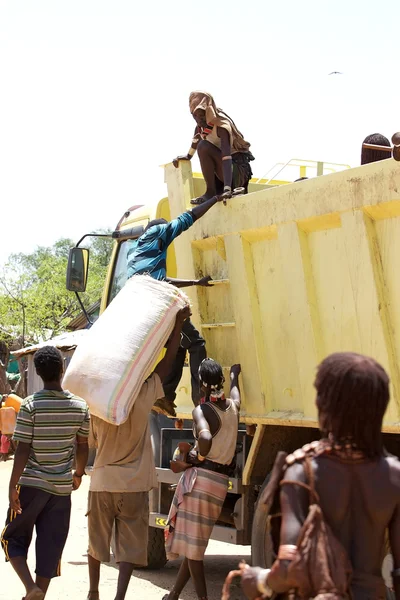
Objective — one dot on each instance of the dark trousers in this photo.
(193, 342)
(50, 515)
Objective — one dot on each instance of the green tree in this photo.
(34, 301)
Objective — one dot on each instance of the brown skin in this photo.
(21, 458)
(360, 526)
(180, 283)
(211, 158)
(208, 426)
(162, 369)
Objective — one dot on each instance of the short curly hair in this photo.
(49, 363)
(368, 155)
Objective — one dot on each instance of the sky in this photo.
(94, 96)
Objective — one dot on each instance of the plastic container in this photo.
(13, 401)
(8, 420)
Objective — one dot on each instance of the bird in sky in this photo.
(336, 73)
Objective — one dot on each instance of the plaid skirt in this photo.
(195, 508)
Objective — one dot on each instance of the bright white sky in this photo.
(94, 96)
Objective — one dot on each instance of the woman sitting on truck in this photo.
(202, 489)
(223, 152)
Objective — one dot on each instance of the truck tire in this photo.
(156, 557)
(263, 555)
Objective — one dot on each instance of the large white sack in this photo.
(112, 362)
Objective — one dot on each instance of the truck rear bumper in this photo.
(228, 535)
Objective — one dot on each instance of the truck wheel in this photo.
(156, 557)
(262, 554)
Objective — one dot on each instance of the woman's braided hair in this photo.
(211, 375)
(352, 397)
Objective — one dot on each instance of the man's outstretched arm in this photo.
(201, 209)
(180, 283)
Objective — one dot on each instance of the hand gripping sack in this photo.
(112, 362)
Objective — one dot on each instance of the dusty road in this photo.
(145, 585)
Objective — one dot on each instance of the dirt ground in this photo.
(148, 585)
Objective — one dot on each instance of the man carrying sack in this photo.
(123, 474)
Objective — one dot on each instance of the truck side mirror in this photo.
(77, 270)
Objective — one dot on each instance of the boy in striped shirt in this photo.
(48, 425)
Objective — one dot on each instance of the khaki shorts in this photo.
(130, 514)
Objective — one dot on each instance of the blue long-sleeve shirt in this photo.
(150, 254)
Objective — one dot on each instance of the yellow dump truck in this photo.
(299, 271)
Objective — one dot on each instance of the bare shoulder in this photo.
(197, 412)
(295, 472)
(394, 466)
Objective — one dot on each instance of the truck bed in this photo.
(301, 270)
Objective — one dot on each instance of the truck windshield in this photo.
(121, 267)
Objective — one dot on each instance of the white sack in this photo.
(112, 362)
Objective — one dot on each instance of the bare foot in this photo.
(93, 596)
(35, 594)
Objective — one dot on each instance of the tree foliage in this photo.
(34, 302)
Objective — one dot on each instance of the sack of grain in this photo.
(112, 362)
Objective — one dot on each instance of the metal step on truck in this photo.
(299, 270)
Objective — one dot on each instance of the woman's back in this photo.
(222, 418)
(359, 501)
(225, 434)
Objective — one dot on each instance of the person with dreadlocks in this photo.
(202, 489)
(369, 155)
(357, 481)
(223, 152)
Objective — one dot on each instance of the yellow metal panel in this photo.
(303, 314)
(369, 294)
(251, 353)
(333, 287)
(277, 335)
(305, 269)
(388, 241)
(254, 449)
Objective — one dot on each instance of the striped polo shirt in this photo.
(50, 421)
(149, 256)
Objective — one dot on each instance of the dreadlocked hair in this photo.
(49, 363)
(368, 155)
(352, 397)
(211, 374)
